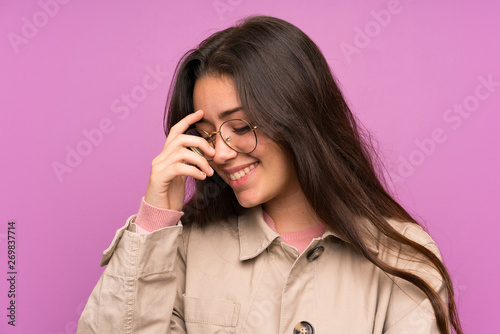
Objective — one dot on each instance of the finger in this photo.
(163, 164)
(184, 124)
(183, 169)
(194, 159)
(187, 141)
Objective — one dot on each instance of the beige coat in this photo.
(238, 277)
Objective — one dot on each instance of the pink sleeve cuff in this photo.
(150, 218)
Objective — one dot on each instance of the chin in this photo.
(247, 202)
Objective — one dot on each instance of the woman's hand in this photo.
(167, 183)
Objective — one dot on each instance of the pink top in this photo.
(298, 239)
(150, 218)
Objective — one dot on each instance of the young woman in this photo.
(288, 229)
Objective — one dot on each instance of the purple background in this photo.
(66, 73)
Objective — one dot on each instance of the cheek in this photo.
(283, 171)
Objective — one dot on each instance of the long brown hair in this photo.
(287, 89)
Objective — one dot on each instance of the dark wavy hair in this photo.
(286, 87)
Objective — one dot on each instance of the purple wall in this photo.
(83, 86)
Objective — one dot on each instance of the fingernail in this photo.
(203, 174)
(198, 111)
(212, 150)
(212, 170)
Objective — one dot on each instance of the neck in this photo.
(291, 213)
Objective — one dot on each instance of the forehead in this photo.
(217, 97)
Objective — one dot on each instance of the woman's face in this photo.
(266, 175)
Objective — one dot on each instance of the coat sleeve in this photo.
(140, 291)
(410, 311)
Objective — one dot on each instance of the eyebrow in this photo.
(222, 114)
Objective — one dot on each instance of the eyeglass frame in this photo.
(211, 134)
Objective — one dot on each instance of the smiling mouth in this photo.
(239, 174)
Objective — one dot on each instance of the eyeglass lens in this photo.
(237, 134)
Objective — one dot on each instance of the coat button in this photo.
(303, 327)
(313, 254)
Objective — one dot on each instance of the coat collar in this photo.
(255, 235)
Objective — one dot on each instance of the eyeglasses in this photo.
(238, 134)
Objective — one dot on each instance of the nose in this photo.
(223, 153)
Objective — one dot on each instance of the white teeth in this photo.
(239, 174)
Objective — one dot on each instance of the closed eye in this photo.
(242, 130)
